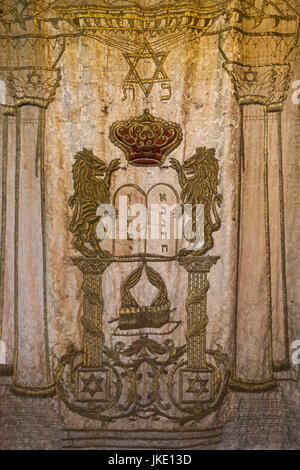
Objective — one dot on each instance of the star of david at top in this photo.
(146, 53)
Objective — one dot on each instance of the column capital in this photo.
(198, 264)
(91, 265)
(8, 110)
(266, 85)
(34, 86)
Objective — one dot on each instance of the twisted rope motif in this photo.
(196, 295)
(196, 330)
(90, 327)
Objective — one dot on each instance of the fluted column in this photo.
(258, 50)
(32, 89)
(261, 329)
(280, 333)
(29, 69)
(254, 314)
(6, 244)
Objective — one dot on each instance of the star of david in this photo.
(197, 391)
(88, 381)
(250, 76)
(146, 83)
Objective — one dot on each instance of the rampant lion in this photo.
(89, 193)
(201, 188)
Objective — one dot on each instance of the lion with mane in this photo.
(89, 192)
(200, 188)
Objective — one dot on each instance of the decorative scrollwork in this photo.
(147, 379)
(129, 367)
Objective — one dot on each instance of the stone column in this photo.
(261, 315)
(6, 245)
(32, 89)
(253, 306)
(32, 373)
(280, 334)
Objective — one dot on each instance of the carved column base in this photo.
(6, 370)
(249, 386)
(281, 365)
(46, 391)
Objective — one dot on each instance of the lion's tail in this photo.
(216, 200)
(73, 201)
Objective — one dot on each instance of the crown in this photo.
(146, 140)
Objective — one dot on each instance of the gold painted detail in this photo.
(34, 86)
(266, 85)
(145, 379)
(129, 25)
(107, 383)
(45, 391)
(252, 386)
(89, 192)
(200, 188)
(93, 309)
(196, 307)
(249, 33)
(115, 388)
(143, 57)
(132, 315)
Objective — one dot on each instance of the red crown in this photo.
(146, 140)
